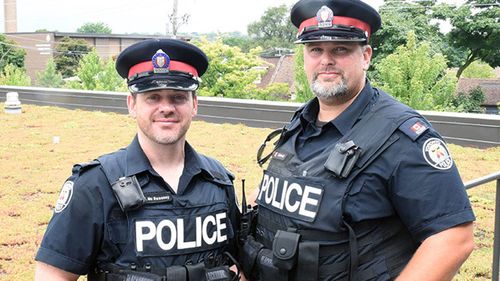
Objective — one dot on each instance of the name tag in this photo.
(158, 197)
(290, 196)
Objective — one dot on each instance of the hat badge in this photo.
(161, 62)
(324, 17)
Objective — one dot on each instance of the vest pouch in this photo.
(250, 251)
(221, 273)
(285, 246)
(133, 275)
(267, 271)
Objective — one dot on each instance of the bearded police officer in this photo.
(156, 210)
(358, 186)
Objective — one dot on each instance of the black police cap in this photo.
(162, 64)
(334, 20)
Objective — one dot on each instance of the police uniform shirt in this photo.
(90, 228)
(399, 182)
(315, 136)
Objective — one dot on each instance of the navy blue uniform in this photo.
(400, 181)
(193, 225)
(369, 222)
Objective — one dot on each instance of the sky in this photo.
(146, 16)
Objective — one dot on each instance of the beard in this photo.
(329, 90)
(164, 137)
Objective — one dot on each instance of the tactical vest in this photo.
(302, 232)
(156, 239)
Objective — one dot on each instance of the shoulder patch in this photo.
(436, 153)
(64, 197)
(414, 128)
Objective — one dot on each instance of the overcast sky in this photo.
(146, 16)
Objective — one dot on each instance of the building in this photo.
(41, 46)
(490, 88)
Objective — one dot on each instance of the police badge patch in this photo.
(64, 197)
(161, 62)
(436, 154)
(324, 16)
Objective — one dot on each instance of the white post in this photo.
(12, 103)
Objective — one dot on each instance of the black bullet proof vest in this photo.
(113, 165)
(308, 198)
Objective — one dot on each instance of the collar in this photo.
(138, 162)
(346, 120)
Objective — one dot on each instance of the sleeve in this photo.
(426, 189)
(73, 234)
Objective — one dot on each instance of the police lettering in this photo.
(170, 234)
(290, 197)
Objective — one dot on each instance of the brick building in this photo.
(40, 46)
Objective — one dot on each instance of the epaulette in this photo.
(81, 167)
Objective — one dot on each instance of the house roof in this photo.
(281, 70)
(490, 87)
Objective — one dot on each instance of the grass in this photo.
(33, 169)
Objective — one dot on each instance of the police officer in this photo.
(358, 186)
(156, 209)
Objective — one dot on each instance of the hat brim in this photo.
(335, 35)
(162, 81)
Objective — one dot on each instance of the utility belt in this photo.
(294, 256)
(188, 272)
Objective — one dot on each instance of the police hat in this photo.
(162, 64)
(334, 20)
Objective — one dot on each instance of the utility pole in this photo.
(175, 20)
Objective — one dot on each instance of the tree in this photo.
(89, 70)
(94, 27)
(13, 75)
(274, 29)
(303, 91)
(230, 71)
(476, 28)
(109, 80)
(49, 77)
(416, 77)
(10, 53)
(68, 53)
(479, 69)
(399, 18)
(470, 102)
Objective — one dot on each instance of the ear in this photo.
(367, 56)
(195, 105)
(131, 104)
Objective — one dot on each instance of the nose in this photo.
(166, 106)
(327, 59)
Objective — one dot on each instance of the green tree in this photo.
(476, 28)
(109, 80)
(416, 77)
(89, 70)
(230, 71)
(400, 17)
(274, 29)
(479, 69)
(470, 102)
(13, 75)
(10, 53)
(303, 91)
(50, 77)
(94, 27)
(68, 53)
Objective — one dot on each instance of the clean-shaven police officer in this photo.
(359, 186)
(156, 210)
